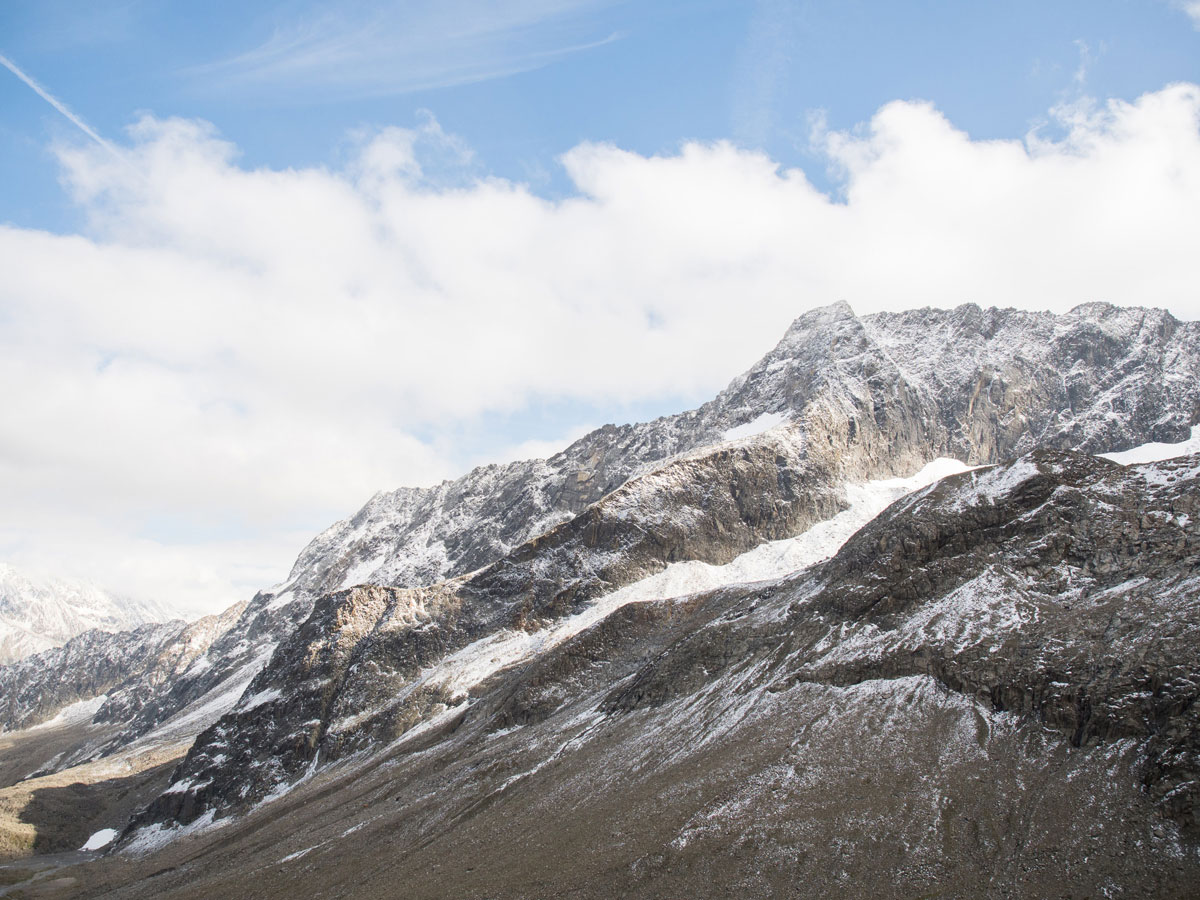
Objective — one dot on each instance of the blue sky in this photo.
(644, 75)
(320, 250)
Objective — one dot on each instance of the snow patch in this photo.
(77, 713)
(259, 699)
(286, 787)
(764, 422)
(182, 787)
(154, 837)
(280, 601)
(985, 605)
(471, 665)
(210, 707)
(999, 481)
(299, 853)
(361, 571)
(1156, 452)
(100, 839)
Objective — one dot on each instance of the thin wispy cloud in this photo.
(764, 59)
(1088, 56)
(396, 48)
(58, 105)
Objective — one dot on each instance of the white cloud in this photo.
(1191, 8)
(351, 48)
(251, 352)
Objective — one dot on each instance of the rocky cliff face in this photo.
(1059, 587)
(873, 397)
(1033, 621)
(878, 395)
(37, 687)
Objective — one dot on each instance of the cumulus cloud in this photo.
(227, 357)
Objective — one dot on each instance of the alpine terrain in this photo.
(911, 608)
(39, 612)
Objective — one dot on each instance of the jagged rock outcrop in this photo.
(878, 395)
(36, 688)
(874, 397)
(131, 666)
(179, 657)
(1059, 586)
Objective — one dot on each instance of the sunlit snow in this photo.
(1156, 452)
(764, 422)
(74, 714)
(775, 559)
(100, 839)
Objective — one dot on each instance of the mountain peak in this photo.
(38, 612)
(821, 316)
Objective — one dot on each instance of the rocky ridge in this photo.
(130, 666)
(365, 667)
(1059, 587)
(362, 669)
(393, 628)
(874, 397)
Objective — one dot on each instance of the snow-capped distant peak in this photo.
(38, 612)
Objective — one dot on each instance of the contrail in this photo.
(60, 106)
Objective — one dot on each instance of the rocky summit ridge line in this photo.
(868, 398)
(873, 397)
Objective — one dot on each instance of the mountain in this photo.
(991, 689)
(58, 711)
(627, 670)
(872, 397)
(39, 612)
(132, 666)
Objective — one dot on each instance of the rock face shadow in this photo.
(65, 816)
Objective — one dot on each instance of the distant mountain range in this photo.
(38, 612)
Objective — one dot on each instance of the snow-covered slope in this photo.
(39, 612)
(653, 599)
(769, 561)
